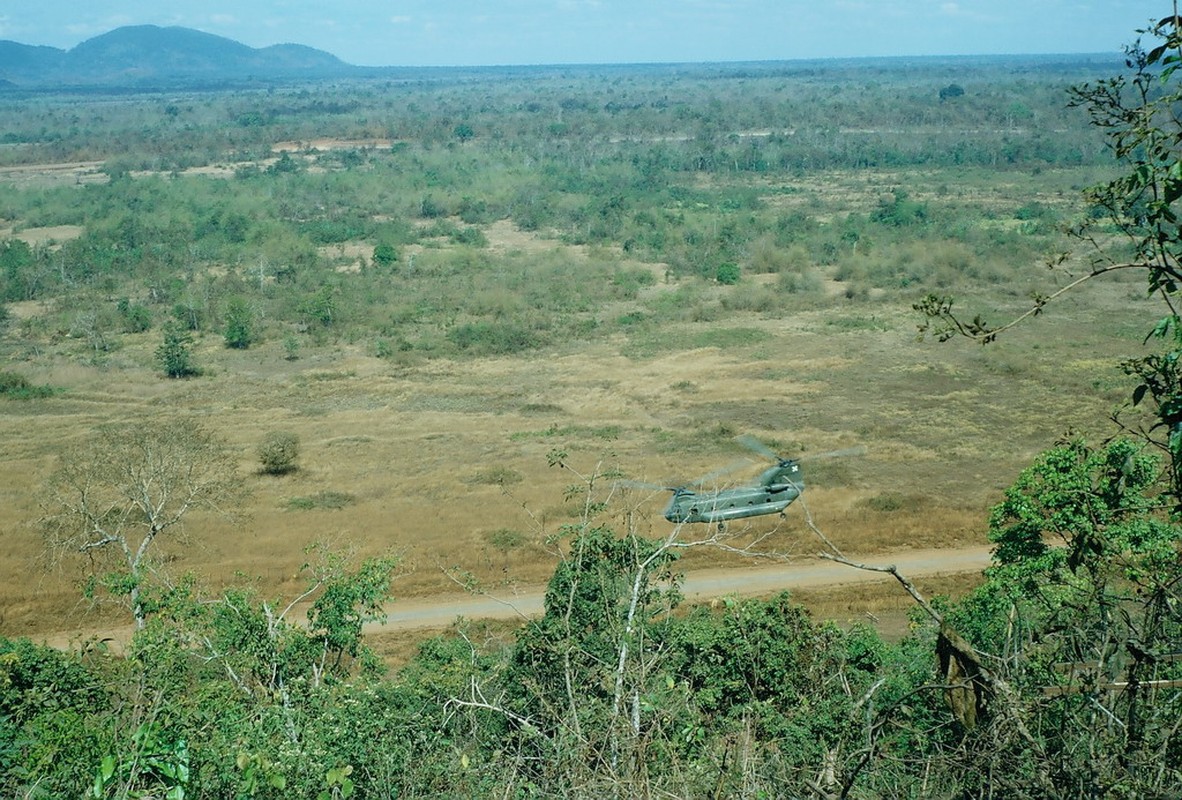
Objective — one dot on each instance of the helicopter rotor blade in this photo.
(630, 484)
(859, 450)
(713, 476)
(753, 444)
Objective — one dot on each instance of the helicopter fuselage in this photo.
(776, 488)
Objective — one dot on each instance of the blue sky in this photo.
(488, 32)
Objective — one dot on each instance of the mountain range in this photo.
(154, 56)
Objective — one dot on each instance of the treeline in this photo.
(838, 114)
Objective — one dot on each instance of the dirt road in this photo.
(698, 587)
(439, 611)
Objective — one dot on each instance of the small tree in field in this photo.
(728, 274)
(279, 453)
(241, 327)
(133, 485)
(175, 353)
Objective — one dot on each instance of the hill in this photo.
(149, 55)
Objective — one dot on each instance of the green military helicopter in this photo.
(771, 493)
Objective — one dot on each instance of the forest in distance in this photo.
(274, 358)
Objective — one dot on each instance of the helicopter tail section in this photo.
(785, 476)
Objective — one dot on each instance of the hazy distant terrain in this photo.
(149, 55)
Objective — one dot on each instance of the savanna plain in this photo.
(444, 283)
(470, 328)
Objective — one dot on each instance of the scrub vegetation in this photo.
(279, 354)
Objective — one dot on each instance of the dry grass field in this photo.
(445, 462)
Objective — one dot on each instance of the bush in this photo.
(18, 387)
(136, 318)
(279, 452)
(494, 338)
(728, 274)
(384, 255)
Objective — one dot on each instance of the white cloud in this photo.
(400, 20)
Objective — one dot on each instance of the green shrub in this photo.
(241, 328)
(279, 453)
(384, 255)
(136, 317)
(494, 338)
(728, 274)
(18, 387)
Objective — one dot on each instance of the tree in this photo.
(951, 91)
(131, 487)
(279, 452)
(241, 328)
(175, 353)
(16, 265)
(601, 687)
(1080, 612)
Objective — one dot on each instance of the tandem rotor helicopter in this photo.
(771, 493)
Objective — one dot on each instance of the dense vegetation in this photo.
(1059, 678)
(693, 172)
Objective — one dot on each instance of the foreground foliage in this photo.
(1071, 685)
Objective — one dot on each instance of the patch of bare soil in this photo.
(74, 172)
(50, 235)
(347, 256)
(324, 144)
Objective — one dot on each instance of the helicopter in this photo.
(771, 493)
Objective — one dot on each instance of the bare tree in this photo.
(111, 501)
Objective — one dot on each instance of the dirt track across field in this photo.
(701, 586)
(698, 587)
